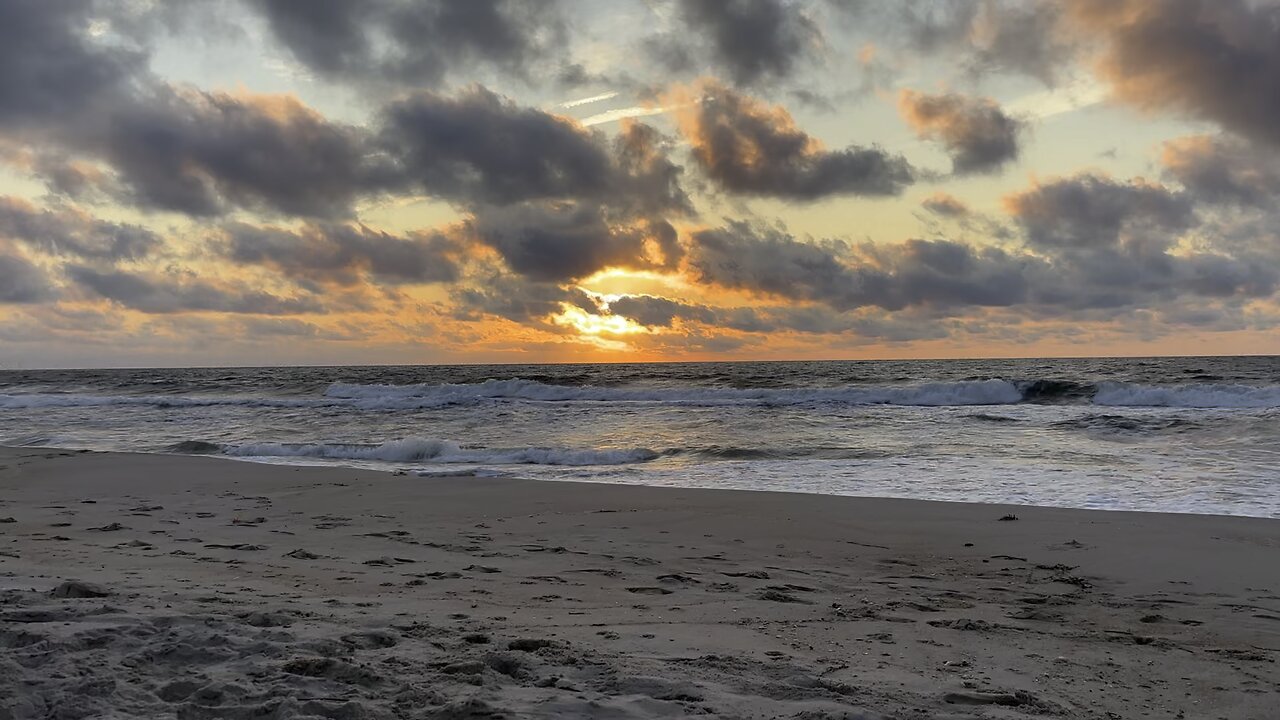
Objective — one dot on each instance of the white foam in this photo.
(1187, 396)
(432, 450)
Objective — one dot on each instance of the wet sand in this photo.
(208, 588)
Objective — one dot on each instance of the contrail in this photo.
(588, 101)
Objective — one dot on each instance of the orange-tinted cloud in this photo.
(976, 133)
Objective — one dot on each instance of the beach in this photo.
(214, 588)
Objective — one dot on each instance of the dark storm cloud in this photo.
(1111, 244)
(68, 94)
(21, 281)
(1216, 60)
(69, 232)
(562, 242)
(1213, 275)
(342, 254)
(761, 260)
(1090, 211)
(205, 153)
(652, 311)
(202, 152)
(750, 40)
(415, 42)
(50, 67)
(71, 99)
(479, 147)
(1091, 244)
(976, 132)
(164, 294)
(514, 298)
(1223, 170)
(751, 148)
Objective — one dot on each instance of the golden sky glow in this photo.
(212, 185)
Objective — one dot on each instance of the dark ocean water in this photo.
(1161, 434)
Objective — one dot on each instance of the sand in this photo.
(208, 588)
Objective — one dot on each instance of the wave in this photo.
(70, 400)
(983, 392)
(795, 453)
(1049, 391)
(194, 447)
(975, 392)
(433, 450)
(1128, 424)
(1187, 396)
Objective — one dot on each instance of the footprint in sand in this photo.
(678, 579)
(110, 527)
(649, 591)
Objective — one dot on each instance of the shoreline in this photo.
(256, 588)
(445, 474)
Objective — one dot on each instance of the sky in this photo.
(270, 182)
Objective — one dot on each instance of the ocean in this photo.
(1191, 435)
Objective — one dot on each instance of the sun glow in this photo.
(587, 324)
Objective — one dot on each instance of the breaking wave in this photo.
(992, 391)
(980, 392)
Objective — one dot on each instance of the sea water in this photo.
(1198, 435)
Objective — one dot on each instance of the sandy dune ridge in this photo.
(210, 588)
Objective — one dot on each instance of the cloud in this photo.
(202, 152)
(665, 313)
(1089, 244)
(661, 312)
(478, 147)
(751, 148)
(946, 205)
(976, 133)
(1219, 169)
(1089, 211)
(269, 328)
(1215, 60)
(62, 175)
(21, 281)
(511, 297)
(178, 293)
(65, 231)
(69, 96)
(771, 262)
(342, 254)
(417, 43)
(1116, 244)
(750, 40)
(51, 66)
(560, 242)
(978, 38)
